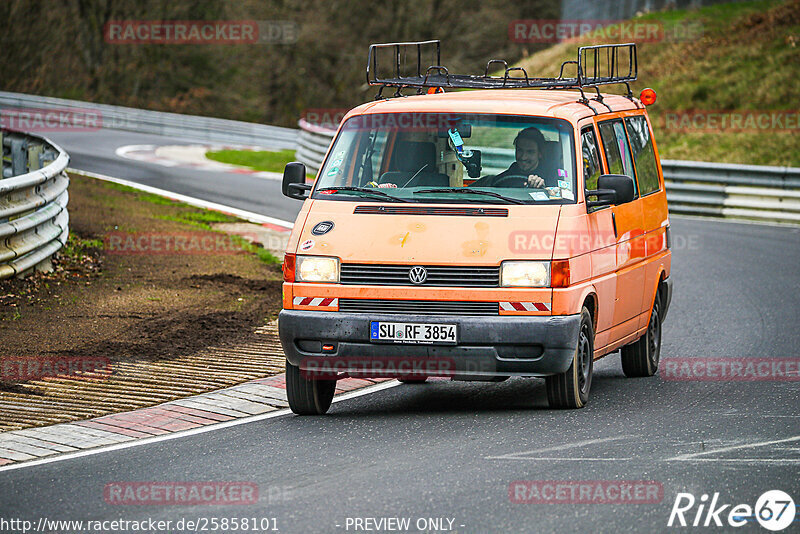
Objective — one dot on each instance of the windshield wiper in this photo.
(474, 191)
(374, 192)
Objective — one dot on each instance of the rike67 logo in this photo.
(774, 510)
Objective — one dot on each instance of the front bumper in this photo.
(487, 346)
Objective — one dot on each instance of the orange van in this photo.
(520, 229)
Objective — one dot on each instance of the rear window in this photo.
(643, 154)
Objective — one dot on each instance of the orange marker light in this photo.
(288, 268)
(559, 273)
(648, 97)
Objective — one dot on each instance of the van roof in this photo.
(538, 102)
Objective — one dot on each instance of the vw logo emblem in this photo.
(418, 275)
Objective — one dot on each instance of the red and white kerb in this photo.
(315, 301)
(524, 306)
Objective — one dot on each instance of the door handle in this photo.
(614, 224)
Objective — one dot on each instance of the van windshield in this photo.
(453, 158)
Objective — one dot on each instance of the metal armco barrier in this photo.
(34, 222)
(736, 191)
(754, 192)
(102, 116)
(312, 144)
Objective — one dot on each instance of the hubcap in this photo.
(654, 336)
(584, 358)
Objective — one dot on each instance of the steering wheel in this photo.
(517, 178)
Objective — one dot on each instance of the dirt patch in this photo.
(137, 307)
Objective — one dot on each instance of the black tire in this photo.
(412, 380)
(570, 389)
(308, 397)
(640, 358)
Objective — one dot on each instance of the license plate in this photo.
(415, 333)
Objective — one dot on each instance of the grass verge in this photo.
(161, 317)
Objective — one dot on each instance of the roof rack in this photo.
(595, 66)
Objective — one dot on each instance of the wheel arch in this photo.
(590, 301)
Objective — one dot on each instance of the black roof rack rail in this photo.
(418, 64)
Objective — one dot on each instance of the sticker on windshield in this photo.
(562, 173)
(553, 192)
(563, 184)
(337, 159)
(566, 193)
(307, 245)
(539, 196)
(334, 171)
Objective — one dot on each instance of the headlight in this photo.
(525, 274)
(317, 269)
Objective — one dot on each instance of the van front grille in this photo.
(437, 275)
(419, 307)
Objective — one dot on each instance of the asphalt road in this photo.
(96, 152)
(452, 450)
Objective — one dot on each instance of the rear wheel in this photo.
(641, 357)
(306, 396)
(570, 389)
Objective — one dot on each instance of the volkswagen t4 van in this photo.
(519, 228)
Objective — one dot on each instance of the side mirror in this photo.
(612, 189)
(294, 181)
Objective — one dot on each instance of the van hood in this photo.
(428, 234)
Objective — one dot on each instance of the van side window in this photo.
(643, 154)
(615, 145)
(591, 158)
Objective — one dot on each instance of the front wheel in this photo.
(640, 358)
(570, 389)
(307, 396)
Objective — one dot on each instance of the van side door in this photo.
(650, 183)
(602, 244)
(627, 220)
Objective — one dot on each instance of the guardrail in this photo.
(207, 129)
(736, 191)
(693, 187)
(34, 222)
(312, 144)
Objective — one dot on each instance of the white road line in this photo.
(737, 460)
(732, 448)
(242, 214)
(194, 431)
(543, 458)
(520, 455)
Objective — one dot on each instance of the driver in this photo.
(528, 150)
